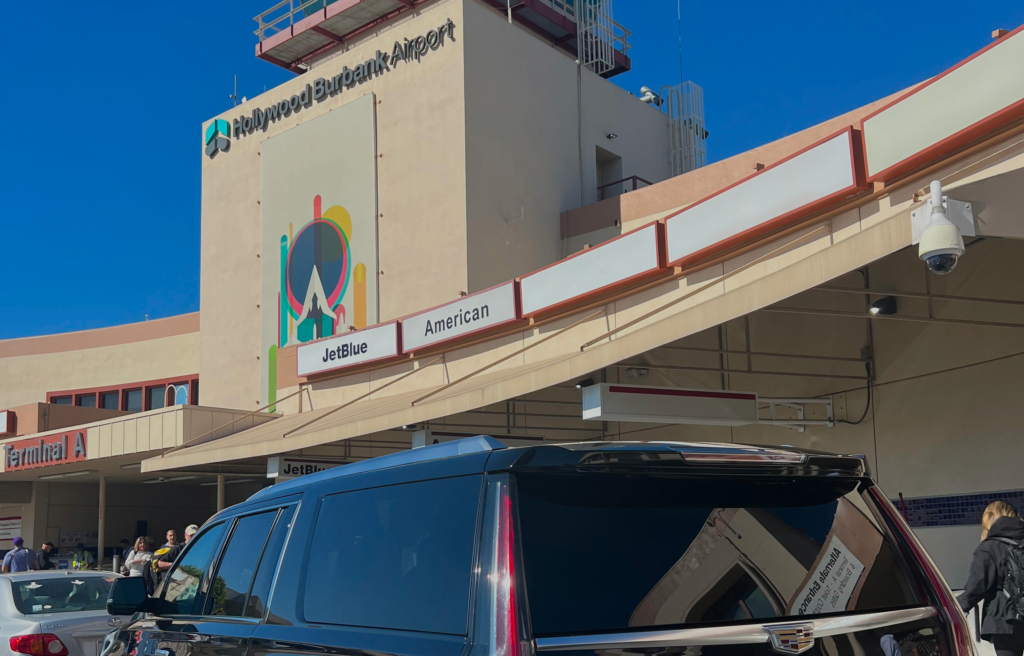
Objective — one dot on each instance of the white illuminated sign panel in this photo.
(349, 350)
(478, 312)
(616, 263)
(6, 423)
(10, 527)
(668, 405)
(812, 179)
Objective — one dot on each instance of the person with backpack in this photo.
(19, 559)
(996, 577)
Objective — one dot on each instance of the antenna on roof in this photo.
(679, 19)
(234, 96)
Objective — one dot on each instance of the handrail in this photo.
(294, 6)
(633, 178)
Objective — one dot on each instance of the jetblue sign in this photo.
(283, 468)
(348, 350)
(323, 88)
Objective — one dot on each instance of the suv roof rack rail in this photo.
(478, 444)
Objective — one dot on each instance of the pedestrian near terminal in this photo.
(19, 559)
(43, 557)
(138, 558)
(1002, 545)
(126, 548)
(82, 559)
(164, 557)
(172, 538)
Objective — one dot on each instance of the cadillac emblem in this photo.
(791, 638)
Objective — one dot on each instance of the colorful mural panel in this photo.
(319, 209)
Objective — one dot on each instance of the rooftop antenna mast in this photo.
(234, 96)
(679, 20)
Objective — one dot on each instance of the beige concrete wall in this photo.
(526, 144)
(421, 199)
(42, 417)
(31, 367)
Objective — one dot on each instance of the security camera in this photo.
(941, 242)
(649, 97)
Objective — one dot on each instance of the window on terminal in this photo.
(86, 401)
(61, 400)
(110, 400)
(156, 397)
(133, 400)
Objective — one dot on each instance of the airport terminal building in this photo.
(450, 222)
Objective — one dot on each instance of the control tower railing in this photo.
(292, 34)
(285, 14)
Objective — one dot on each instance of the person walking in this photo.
(172, 539)
(139, 557)
(1002, 531)
(19, 559)
(82, 559)
(43, 557)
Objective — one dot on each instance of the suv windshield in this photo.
(604, 552)
(61, 595)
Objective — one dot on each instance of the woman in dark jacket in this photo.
(985, 579)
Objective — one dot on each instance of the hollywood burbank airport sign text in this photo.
(323, 88)
(56, 449)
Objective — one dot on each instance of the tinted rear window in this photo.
(61, 595)
(606, 552)
(397, 557)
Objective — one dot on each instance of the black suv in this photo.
(472, 549)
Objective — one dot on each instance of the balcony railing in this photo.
(632, 180)
(285, 14)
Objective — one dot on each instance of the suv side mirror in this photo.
(127, 596)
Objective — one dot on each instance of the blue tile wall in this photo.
(959, 510)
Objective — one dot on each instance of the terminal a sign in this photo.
(323, 88)
(46, 451)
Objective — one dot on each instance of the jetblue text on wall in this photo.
(323, 88)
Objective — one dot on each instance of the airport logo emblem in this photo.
(791, 638)
(218, 137)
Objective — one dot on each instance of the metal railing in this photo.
(633, 179)
(285, 14)
(288, 12)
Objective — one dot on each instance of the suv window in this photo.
(182, 586)
(605, 552)
(237, 566)
(397, 557)
(260, 595)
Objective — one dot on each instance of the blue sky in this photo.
(101, 173)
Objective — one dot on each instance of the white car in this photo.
(55, 612)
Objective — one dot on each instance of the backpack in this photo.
(1013, 579)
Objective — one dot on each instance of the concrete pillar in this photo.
(220, 492)
(40, 513)
(101, 532)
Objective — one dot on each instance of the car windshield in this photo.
(61, 595)
(605, 552)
